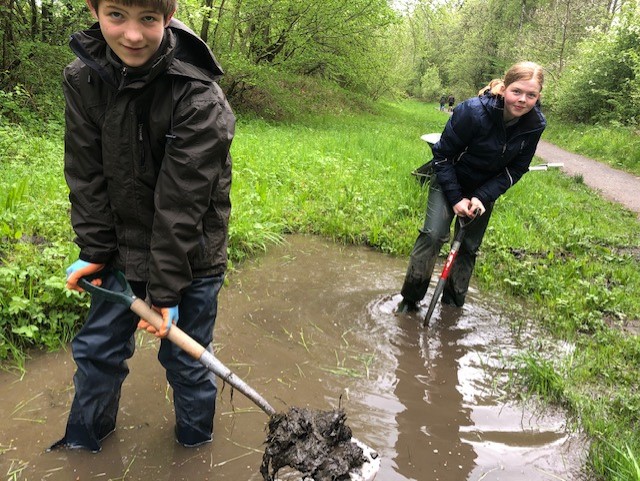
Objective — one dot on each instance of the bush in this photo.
(32, 91)
(601, 84)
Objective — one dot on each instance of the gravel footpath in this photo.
(610, 183)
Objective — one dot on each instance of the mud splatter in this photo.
(315, 443)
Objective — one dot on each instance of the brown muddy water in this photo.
(311, 324)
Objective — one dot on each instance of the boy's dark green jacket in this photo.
(147, 161)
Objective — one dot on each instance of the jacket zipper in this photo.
(141, 142)
(123, 72)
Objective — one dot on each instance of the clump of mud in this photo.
(315, 443)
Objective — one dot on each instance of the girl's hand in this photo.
(476, 207)
(462, 208)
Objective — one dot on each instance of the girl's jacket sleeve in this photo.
(91, 216)
(455, 138)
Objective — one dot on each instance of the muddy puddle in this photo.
(311, 324)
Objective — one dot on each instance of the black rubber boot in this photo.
(405, 306)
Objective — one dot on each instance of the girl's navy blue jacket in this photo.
(477, 156)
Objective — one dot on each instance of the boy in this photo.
(148, 132)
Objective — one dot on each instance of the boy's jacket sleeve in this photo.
(91, 216)
(192, 174)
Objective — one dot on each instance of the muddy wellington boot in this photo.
(453, 299)
(406, 306)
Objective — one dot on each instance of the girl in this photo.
(485, 148)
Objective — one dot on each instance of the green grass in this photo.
(346, 177)
(555, 253)
(35, 245)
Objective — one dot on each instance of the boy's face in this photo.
(134, 33)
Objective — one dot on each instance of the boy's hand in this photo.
(170, 316)
(80, 269)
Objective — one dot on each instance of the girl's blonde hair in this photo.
(166, 7)
(495, 82)
(517, 72)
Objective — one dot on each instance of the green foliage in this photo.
(622, 459)
(577, 263)
(330, 40)
(540, 376)
(35, 238)
(431, 86)
(40, 75)
(602, 84)
(291, 190)
(17, 106)
(32, 91)
(366, 47)
(265, 92)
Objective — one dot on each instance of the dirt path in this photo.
(610, 183)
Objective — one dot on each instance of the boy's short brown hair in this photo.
(166, 7)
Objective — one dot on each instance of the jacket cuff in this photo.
(167, 300)
(95, 259)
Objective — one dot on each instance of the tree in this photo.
(604, 80)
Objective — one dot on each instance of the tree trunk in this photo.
(234, 25)
(217, 26)
(563, 43)
(47, 19)
(34, 20)
(8, 37)
(206, 20)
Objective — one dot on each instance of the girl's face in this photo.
(519, 98)
(134, 33)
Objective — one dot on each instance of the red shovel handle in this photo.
(453, 253)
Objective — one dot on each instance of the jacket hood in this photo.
(192, 50)
(184, 53)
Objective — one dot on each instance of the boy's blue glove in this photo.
(170, 316)
(80, 269)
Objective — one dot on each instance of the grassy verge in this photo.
(617, 146)
(572, 269)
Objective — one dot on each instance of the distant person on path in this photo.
(475, 163)
(148, 133)
(451, 100)
(443, 100)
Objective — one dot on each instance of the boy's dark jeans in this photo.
(106, 341)
(433, 235)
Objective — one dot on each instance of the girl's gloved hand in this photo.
(80, 269)
(170, 316)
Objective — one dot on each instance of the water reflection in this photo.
(451, 421)
(429, 443)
